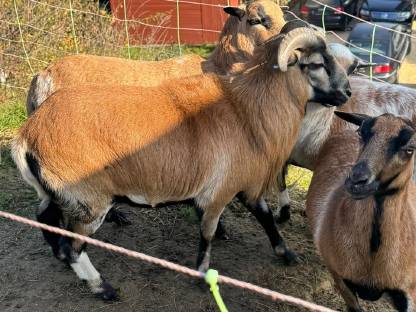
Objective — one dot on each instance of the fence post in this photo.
(178, 32)
(127, 28)
(21, 37)
(73, 26)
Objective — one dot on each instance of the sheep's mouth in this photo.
(361, 190)
(329, 99)
(327, 105)
(341, 97)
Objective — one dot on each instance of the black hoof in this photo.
(290, 258)
(222, 236)
(117, 217)
(202, 285)
(221, 233)
(284, 215)
(108, 293)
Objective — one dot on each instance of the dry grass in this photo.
(48, 34)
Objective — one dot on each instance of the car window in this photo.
(333, 3)
(380, 47)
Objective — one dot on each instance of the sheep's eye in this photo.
(314, 66)
(407, 152)
(254, 21)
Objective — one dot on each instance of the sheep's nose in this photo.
(361, 178)
(360, 173)
(347, 88)
(348, 92)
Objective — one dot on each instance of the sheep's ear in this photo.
(293, 58)
(362, 64)
(356, 119)
(292, 61)
(234, 11)
(358, 63)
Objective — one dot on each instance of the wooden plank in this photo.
(194, 16)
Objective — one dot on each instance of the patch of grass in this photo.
(12, 116)
(299, 177)
(203, 50)
(152, 53)
(6, 161)
(188, 214)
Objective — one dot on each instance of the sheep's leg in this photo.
(284, 199)
(265, 217)
(401, 300)
(51, 215)
(73, 252)
(118, 217)
(221, 232)
(209, 224)
(347, 294)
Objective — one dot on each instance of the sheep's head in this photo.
(257, 21)
(305, 49)
(386, 160)
(346, 58)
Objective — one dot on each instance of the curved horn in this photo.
(295, 39)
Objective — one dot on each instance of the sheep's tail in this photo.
(49, 212)
(29, 169)
(40, 88)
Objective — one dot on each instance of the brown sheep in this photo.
(361, 208)
(243, 30)
(205, 138)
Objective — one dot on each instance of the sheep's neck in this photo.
(387, 217)
(272, 105)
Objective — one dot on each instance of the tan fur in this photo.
(342, 226)
(236, 45)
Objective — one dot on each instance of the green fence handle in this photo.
(371, 51)
(211, 278)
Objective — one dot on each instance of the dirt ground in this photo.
(31, 279)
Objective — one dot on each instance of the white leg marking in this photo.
(205, 262)
(85, 270)
(410, 303)
(263, 205)
(284, 198)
